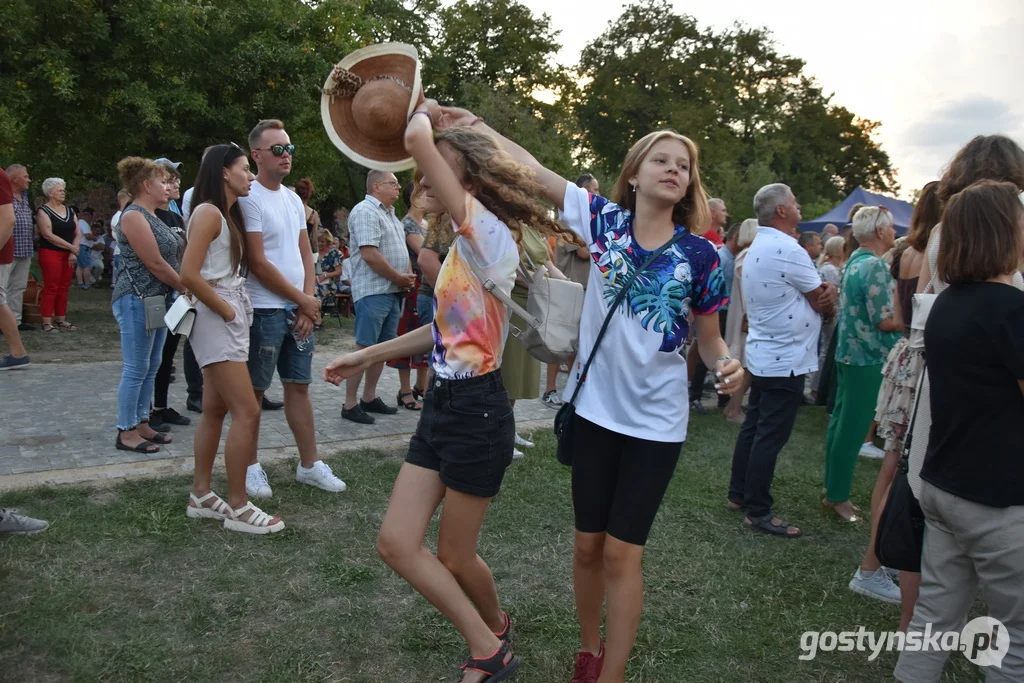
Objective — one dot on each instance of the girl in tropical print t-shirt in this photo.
(630, 424)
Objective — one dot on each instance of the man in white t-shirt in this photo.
(785, 299)
(281, 284)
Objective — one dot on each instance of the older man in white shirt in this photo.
(785, 299)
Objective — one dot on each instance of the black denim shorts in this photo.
(466, 433)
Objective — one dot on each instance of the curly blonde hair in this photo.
(505, 187)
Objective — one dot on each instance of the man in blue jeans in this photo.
(281, 285)
(381, 274)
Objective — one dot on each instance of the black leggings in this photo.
(618, 481)
(193, 375)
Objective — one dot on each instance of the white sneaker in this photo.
(520, 441)
(870, 450)
(516, 454)
(256, 483)
(878, 586)
(319, 475)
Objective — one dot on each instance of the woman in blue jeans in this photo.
(150, 258)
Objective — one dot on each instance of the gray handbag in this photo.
(155, 306)
(552, 314)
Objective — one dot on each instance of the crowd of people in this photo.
(790, 318)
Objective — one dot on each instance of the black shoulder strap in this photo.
(615, 305)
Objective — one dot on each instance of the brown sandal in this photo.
(49, 328)
(66, 326)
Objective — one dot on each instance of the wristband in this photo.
(425, 113)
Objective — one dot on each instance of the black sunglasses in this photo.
(279, 150)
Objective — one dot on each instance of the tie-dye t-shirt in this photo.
(637, 383)
(470, 323)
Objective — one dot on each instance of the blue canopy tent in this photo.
(901, 211)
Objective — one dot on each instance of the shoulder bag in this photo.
(553, 311)
(181, 316)
(566, 414)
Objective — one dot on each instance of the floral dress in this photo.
(329, 263)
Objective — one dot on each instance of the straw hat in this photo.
(367, 101)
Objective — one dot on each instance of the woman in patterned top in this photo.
(465, 435)
(866, 332)
(150, 259)
(330, 266)
(629, 425)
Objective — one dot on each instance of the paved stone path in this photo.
(57, 425)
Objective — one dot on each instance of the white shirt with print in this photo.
(783, 329)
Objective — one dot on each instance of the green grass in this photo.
(124, 588)
(98, 337)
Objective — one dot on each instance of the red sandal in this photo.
(498, 667)
(505, 635)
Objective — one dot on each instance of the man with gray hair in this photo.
(381, 273)
(785, 300)
(719, 218)
(14, 275)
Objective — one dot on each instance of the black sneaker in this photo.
(25, 327)
(271, 405)
(194, 405)
(378, 406)
(157, 425)
(357, 414)
(171, 417)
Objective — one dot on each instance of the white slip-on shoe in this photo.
(870, 450)
(321, 476)
(520, 441)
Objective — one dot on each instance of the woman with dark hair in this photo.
(214, 269)
(895, 403)
(304, 188)
(466, 432)
(972, 493)
(629, 425)
(150, 257)
(414, 222)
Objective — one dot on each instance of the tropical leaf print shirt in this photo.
(865, 299)
(637, 383)
(470, 323)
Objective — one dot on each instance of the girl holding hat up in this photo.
(466, 432)
(629, 426)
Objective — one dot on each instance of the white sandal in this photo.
(259, 522)
(219, 510)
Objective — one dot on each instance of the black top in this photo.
(974, 346)
(63, 228)
(172, 221)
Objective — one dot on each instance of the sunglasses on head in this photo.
(279, 150)
(881, 211)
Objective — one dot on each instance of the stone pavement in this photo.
(57, 425)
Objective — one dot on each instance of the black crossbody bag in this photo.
(567, 413)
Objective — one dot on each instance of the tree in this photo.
(756, 117)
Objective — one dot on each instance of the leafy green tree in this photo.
(755, 115)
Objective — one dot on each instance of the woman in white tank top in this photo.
(213, 269)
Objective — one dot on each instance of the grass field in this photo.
(124, 588)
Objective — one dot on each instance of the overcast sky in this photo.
(934, 72)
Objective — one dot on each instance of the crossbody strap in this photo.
(615, 305)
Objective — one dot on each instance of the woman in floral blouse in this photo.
(330, 267)
(866, 333)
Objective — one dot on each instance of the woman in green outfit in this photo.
(866, 332)
(519, 370)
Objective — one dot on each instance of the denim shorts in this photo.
(466, 433)
(271, 345)
(425, 309)
(377, 318)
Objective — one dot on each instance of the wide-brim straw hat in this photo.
(367, 101)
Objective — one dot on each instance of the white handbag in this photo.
(552, 314)
(181, 316)
(922, 309)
